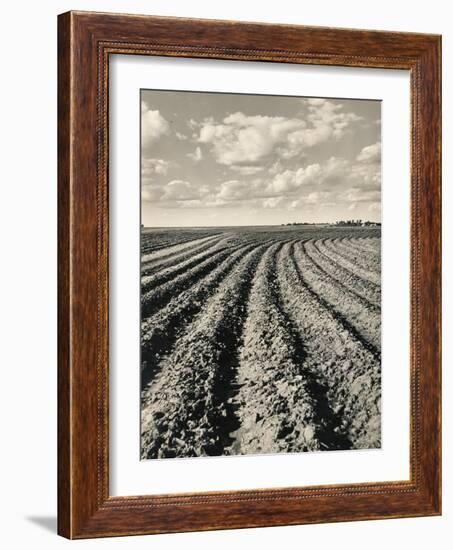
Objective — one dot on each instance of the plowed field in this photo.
(260, 340)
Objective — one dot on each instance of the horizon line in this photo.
(252, 225)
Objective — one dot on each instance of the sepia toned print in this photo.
(260, 274)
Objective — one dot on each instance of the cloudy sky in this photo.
(232, 159)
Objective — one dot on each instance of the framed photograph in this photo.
(249, 275)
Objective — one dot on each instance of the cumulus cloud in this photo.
(326, 121)
(314, 182)
(285, 159)
(175, 191)
(241, 139)
(264, 161)
(331, 173)
(335, 181)
(154, 125)
(292, 179)
(317, 197)
(181, 190)
(233, 190)
(367, 169)
(330, 183)
(274, 202)
(371, 153)
(314, 101)
(151, 166)
(310, 202)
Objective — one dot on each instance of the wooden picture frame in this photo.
(85, 42)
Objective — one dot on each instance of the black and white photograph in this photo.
(260, 274)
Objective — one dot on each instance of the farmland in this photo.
(260, 340)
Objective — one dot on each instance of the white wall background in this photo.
(28, 269)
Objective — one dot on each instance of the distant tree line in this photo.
(300, 223)
(356, 222)
(347, 223)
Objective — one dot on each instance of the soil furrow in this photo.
(368, 245)
(324, 246)
(190, 265)
(157, 244)
(348, 368)
(184, 411)
(281, 406)
(262, 340)
(157, 297)
(344, 278)
(366, 264)
(364, 258)
(354, 311)
(155, 265)
(160, 331)
(323, 301)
